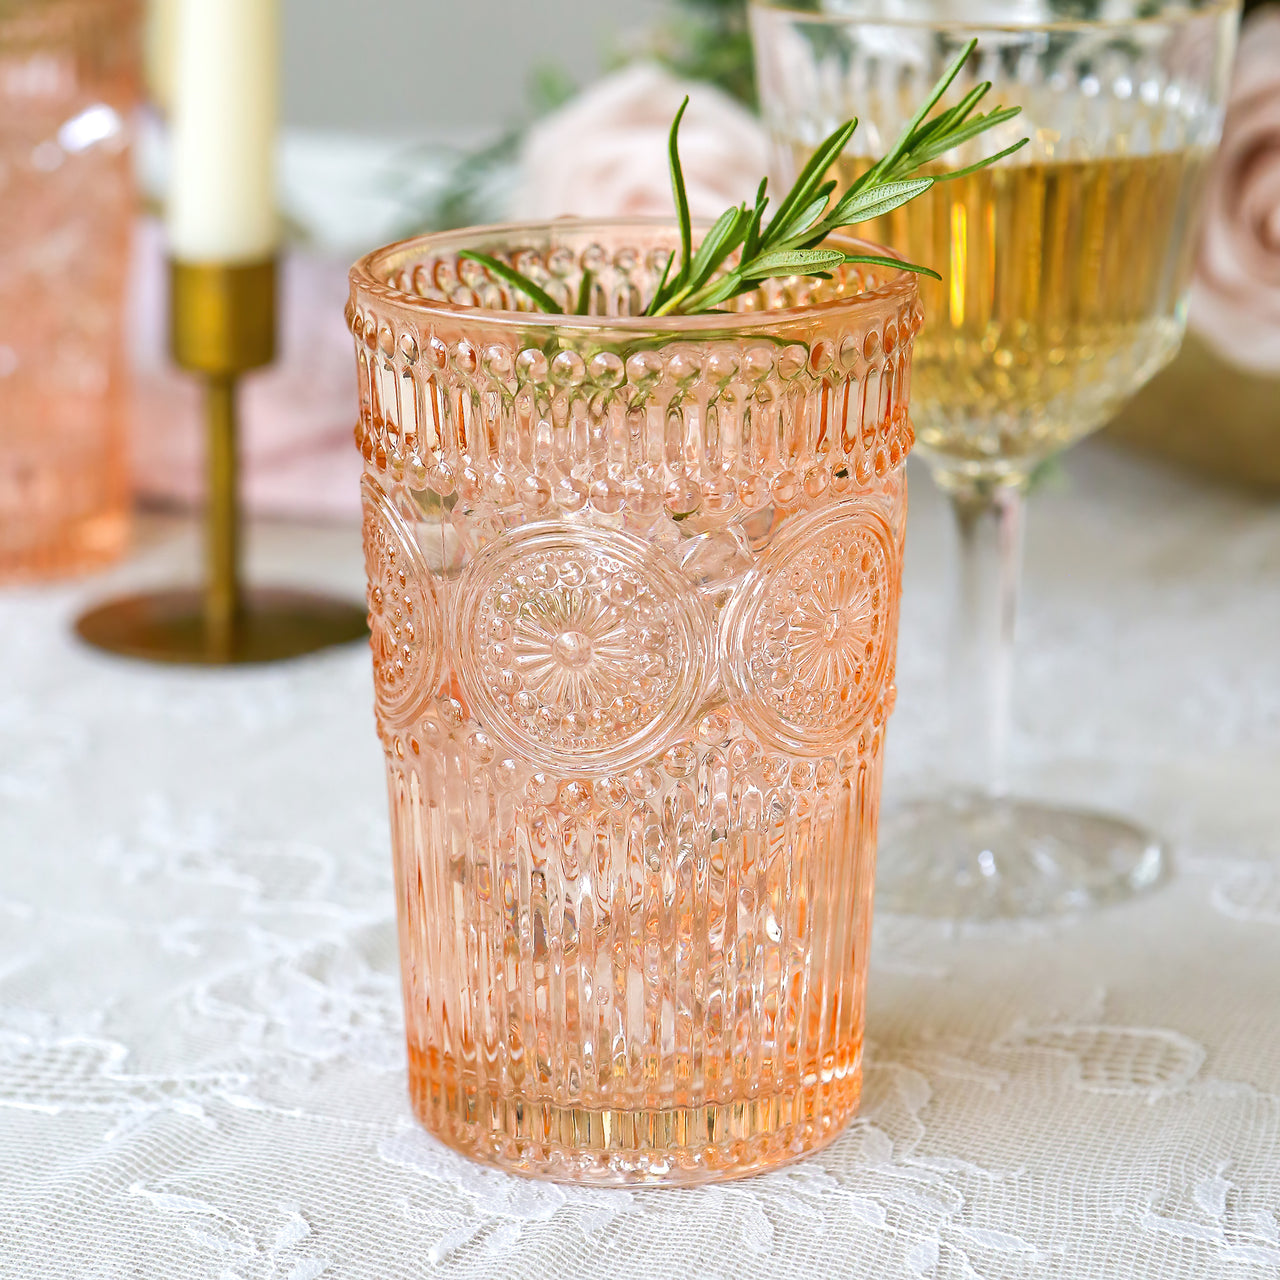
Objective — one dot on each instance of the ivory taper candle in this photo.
(158, 52)
(222, 189)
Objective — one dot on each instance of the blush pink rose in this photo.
(604, 154)
(1235, 299)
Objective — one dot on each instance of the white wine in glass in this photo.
(1062, 290)
(1065, 271)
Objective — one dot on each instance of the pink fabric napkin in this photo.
(297, 456)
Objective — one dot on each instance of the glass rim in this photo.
(368, 275)
(1177, 11)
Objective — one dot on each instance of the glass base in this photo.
(981, 858)
(641, 1146)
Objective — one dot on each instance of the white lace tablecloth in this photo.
(201, 1065)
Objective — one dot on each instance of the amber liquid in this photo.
(1062, 292)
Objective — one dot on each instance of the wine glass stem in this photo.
(988, 527)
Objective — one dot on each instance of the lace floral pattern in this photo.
(201, 1038)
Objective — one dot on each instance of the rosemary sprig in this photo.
(515, 279)
(792, 242)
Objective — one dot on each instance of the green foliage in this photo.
(708, 40)
(474, 182)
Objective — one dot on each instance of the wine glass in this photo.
(1064, 280)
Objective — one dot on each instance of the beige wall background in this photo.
(447, 69)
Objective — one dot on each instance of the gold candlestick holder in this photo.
(222, 325)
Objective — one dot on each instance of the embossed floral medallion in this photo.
(809, 644)
(404, 615)
(579, 647)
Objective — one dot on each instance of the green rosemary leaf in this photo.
(661, 292)
(965, 133)
(751, 242)
(935, 95)
(806, 220)
(873, 202)
(515, 280)
(681, 196)
(810, 176)
(927, 135)
(711, 295)
(724, 237)
(583, 306)
(965, 107)
(948, 175)
(897, 264)
(791, 262)
(953, 116)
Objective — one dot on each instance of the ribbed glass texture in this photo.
(633, 589)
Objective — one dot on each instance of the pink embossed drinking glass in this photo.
(633, 590)
(68, 78)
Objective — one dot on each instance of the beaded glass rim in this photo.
(977, 20)
(371, 276)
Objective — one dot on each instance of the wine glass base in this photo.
(981, 858)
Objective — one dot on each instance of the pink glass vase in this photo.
(68, 76)
(633, 590)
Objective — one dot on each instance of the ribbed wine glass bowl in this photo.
(633, 587)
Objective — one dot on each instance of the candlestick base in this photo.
(223, 324)
(170, 626)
